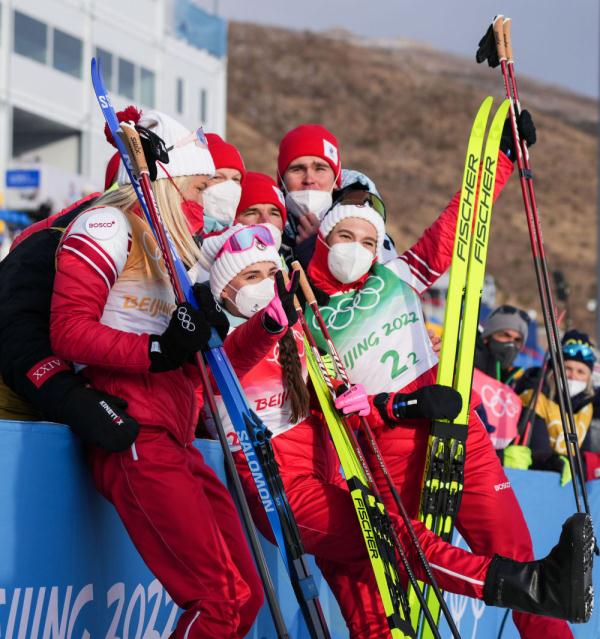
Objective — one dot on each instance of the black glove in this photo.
(211, 309)
(154, 150)
(286, 297)
(526, 132)
(429, 402)
(187, 333)
(98, 418)
(487, 49)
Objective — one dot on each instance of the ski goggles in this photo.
(512, 310)
(246, 238)
(196, 137)
(363, 198)
(579, 350)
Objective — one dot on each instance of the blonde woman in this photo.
(114, 311)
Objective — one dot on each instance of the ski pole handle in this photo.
(304, 285)
(507, 41)
(498, 29)
(132, 140)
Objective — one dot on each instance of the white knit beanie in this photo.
(342, 211)
(189, 159)
(224, 267)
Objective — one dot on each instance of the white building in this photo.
(168, 54)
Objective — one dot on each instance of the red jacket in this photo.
(428, 258)
(110, 292)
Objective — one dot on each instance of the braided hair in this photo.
(293, 381)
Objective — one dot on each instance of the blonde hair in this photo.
(169, 206)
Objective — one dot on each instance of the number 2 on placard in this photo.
(398, 370)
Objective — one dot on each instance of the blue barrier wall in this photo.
(69, 571)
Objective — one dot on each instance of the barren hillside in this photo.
(402, 113)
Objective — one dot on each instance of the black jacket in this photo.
(26, 283)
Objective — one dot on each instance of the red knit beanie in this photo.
(225, 155)
(310, 139)
(112, 168)
(259, 188)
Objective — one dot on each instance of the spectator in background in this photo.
(503, 337)
(222, 194)
(547, 449)
(261, 202)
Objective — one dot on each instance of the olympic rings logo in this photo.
(500, 402)
(342, 315)
(185, 319)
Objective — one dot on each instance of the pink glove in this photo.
(354, 400)
(281, 308)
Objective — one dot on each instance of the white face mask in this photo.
(220, 201)
(349, 261)
(253, 297)
(299, 203)
(576, 386)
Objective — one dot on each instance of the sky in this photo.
(555, 41)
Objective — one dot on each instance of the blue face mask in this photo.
(211, 225)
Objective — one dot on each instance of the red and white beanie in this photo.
(310, 139)
(343, 211)
(224, 266)
(189, 159)
(259, 188)
(224, 154)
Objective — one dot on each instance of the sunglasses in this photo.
(512, 310)
(245, 238)
(578, 349)
(363, 198)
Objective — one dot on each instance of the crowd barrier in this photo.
(69, 571)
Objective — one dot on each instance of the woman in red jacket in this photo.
(267, 346)
(114, 312)
(375, 318)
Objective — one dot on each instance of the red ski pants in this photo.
(323, 508)
(185, 526)
(489, 519)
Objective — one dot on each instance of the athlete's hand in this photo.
(212, 311)
(430, 402)
(527, 132)
(98, 418)
(281, 312)
(353, 400)
(307, 226)
(436, 341)
(187, 333)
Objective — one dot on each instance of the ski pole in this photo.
(525, 436)
(368, 433)
(502, 34)
(249, 428)
(136, 154)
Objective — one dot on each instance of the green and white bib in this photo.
(379, 331)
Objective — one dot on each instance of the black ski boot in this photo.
(560, 585)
